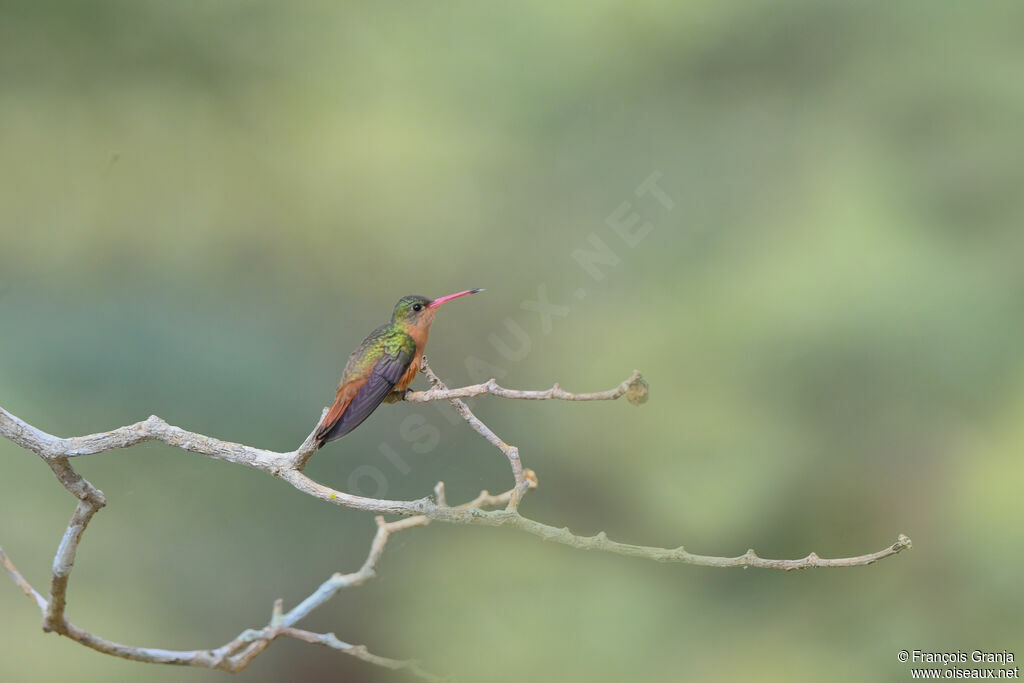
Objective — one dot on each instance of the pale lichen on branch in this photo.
(236, 655)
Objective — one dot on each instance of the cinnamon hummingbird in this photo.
(383, 365)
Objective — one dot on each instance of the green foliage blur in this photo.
(205, 206)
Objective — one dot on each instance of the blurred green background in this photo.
(205, 206)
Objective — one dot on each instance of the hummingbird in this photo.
(383, 366)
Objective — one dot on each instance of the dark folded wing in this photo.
(383, 378)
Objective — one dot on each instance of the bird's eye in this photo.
(417, 307)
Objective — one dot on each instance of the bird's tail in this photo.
(327, 431)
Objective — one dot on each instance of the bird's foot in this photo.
(395, 396)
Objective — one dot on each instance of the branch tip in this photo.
(531, 478)
(276, 612)
(638, 390)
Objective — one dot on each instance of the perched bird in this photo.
(383, 365)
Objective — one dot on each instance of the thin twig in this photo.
(20, 581)
(511, 452)
(53, 617)
(635, 383)
(360, 652)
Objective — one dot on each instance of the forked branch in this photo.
(236, 655)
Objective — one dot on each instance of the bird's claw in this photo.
(395, 396)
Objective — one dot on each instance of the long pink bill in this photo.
(437, 302)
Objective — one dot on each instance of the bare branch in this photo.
(51, 448)
(20, 581)
(359, 651)
(600, 541)
(236, 655)
(53, 617)
(511, 452)
(634, 388)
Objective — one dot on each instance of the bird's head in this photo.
(418, 311)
